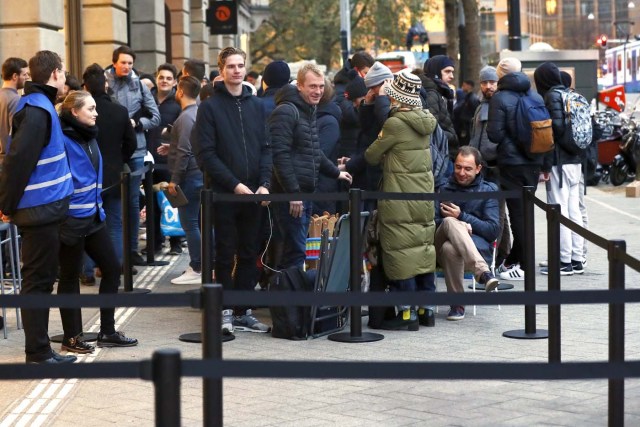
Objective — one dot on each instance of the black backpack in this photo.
(291, 322)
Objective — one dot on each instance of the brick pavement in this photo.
(272, 402)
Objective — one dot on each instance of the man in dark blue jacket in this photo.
(231, 145)
(466, 229)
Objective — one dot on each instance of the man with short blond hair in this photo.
(298, 159)
(231, 145)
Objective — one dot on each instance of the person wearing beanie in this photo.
(377, 75)
(563, 186)
(406, 227)
(355, 90)
(488, 149)
(437, 96)
(508, 66)
(517, 167)
(275, 75)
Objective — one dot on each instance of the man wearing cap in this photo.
(517, 168)
(488, 149)
(373, 112)
(406, 228)
(438, 96)
(276, 74)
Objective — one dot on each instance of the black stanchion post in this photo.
(616, 331)
(167, 369)
(151, 218)
(212, 350)
(206, 201)
(553, 250)
(125, 192)
(355, 262)
(530, 331)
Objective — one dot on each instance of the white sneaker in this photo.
(511, 273)
(227, 322)
(189, 277)
(544, 263)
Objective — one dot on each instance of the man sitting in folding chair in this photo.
(466, 229)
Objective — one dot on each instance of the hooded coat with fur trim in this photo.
(406, 227)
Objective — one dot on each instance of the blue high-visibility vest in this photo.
(50, 181)
(87, 183)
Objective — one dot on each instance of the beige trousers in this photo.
(457, 253)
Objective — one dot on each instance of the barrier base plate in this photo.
(134, 291)
(196, 337)
(501, 287)
(157, 263)
(521, 334)
(86, 336)
(346, 337)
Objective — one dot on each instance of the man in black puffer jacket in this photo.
(517, 169)
(230, 143)
(563, 186)
(298, 159)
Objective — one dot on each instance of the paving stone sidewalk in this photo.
(273, 402)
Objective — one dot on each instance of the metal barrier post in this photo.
(127, 266)
(616, 331)
(125, 192)
(212, 350)
(151, 218)
(530, 331)
(166, 371)
(356, 334)
(553, 250)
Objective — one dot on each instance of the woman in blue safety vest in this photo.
(84, 228)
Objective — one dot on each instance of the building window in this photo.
(487, 22)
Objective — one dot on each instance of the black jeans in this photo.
(237, 234)
(99, 247)
(510, 177)
(39, 268)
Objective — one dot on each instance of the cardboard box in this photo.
(633, 189)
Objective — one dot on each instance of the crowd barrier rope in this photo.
(166, 366)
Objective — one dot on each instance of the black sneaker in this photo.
(136, 259)
(577, 266)
(117, 339)
(74, 345)
(565, 269)
(406, 319)
(489, 281)
(426, 317)
(175, 249)
(52, 358)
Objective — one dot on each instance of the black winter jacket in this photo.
(436, 102)
(169, 111)
(501, 127)
(230, 140)
(297, 157)
(566, 151)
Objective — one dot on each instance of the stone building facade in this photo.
(87, 31)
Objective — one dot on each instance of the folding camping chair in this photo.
(333, 276)
(13, 284)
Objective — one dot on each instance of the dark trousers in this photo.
(99, 247)
(510, 177)
(237, 227)
(39, 268)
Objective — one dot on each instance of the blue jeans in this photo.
(421, 282)
(135, 165)
(112, 205)
(190, 215)
(293, 232)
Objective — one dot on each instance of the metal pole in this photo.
(530, 331)
(355, 262)
(167, 369)
(345, 30)
(616, 331)
(212, 350)
(151, 207)
(553, 250)
(125, 191)
(515, 33)
(206, 201)
(461, 43)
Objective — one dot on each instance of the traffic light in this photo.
(602, 41)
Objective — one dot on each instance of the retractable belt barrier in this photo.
(166, 367)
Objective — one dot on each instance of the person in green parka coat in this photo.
(406, 228)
